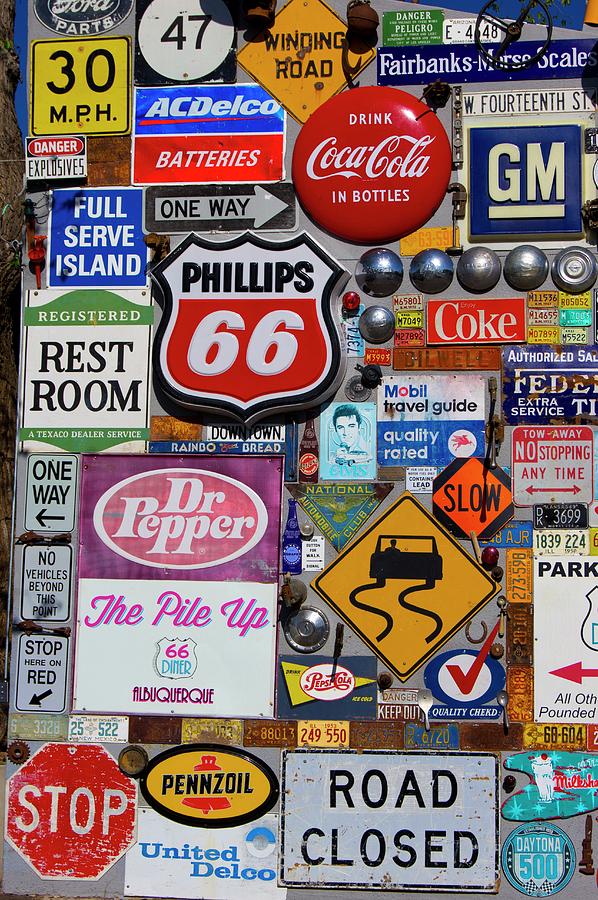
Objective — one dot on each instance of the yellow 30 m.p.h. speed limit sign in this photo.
(81, 86)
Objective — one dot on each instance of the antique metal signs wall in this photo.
(256, 289)
(371, 166)
(72, 811)
(364, 820)
(81, 85)
(207, 134)
(184, 41)
(405, 545)
(566, 639)
(177, 575)
(95, 379)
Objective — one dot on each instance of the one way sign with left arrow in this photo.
(51, 493)
(230, 207)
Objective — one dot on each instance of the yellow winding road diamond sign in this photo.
(304, 66)
(405, 586)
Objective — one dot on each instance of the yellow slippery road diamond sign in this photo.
(81, 86)
(304, 66)
(405, 586)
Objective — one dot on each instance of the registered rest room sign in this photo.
(81, 86)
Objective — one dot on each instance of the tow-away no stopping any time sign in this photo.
(248, 326)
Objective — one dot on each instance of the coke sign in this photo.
(180, 518)
(372, 164)
(71, 811)
(248, 325)
(476, 321)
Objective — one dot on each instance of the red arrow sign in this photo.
(554, 490)
(575, 672)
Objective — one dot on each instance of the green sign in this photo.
(339, 510)
(408, 28)
(576, 317)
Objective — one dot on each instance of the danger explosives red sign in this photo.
(71, 811)
(372, 164)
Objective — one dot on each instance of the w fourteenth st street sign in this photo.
(248, 326)
(70, 811)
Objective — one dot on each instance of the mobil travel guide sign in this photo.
(178, 572)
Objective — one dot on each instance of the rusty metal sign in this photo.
(376, 735)
(520, 688)
(258, 733)
(447, 358)
(520, 635)
(352, 820)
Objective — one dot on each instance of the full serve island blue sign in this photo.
(96, 237)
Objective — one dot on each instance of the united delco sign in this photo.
(476, 321)
(248, 326)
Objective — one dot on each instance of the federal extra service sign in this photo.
(247, 326)
(399, 821)
(372, 164)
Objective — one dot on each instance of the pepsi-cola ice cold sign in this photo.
(372, 164)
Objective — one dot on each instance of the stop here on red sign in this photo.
(372, 164)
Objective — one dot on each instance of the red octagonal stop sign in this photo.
(372, 164)
(71, 811)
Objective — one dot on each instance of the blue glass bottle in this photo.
(291, 542)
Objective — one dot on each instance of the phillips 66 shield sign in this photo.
(247, 326)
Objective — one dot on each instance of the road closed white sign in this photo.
(399, 821)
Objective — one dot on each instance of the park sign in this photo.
(281, 348)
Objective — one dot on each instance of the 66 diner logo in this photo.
(247, 326)
(372, 164)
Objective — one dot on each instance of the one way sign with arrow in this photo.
(232, 207)
(51, 493)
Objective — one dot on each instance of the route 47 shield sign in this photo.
(248, 325)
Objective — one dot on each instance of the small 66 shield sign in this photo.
(247, 325)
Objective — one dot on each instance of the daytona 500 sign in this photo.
(248, 326)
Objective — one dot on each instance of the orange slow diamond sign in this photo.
(304, 58)
(469, 496)
(405, 586)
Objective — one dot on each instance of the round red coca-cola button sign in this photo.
(372, 164)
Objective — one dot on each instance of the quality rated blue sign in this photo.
(525, 181)
(96, 239)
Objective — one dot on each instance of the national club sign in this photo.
(248, 326)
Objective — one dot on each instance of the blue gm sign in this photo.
(538, 859)
(96, 239)
(525, 181)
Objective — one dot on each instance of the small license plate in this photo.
(553, 737)
(99, 729)
(323, 734)
(37, 728)
(462, 31)
(222, 731)
(518, 572)
(561, 515)
(260, 733)
(547, 541)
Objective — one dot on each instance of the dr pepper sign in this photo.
(372, 164)
(248, 325)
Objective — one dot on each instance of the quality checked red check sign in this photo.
(552, 464)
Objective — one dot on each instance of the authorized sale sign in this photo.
(389, 820)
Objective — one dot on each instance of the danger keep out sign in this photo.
(389, 820)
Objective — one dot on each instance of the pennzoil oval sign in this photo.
(248, 326)
(208, 786)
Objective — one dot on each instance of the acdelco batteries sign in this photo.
(207, 134)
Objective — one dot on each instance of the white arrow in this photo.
(263, 206)
(260, 206)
